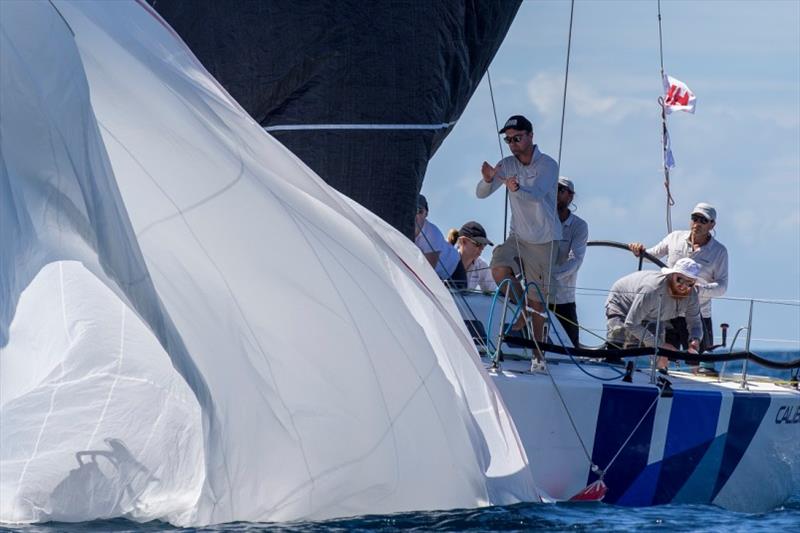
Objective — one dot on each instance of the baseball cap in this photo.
(517, 122)
(707, 210)
(566, 182)
(422, 202)
(473, 230)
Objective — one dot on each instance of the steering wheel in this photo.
(644, 255)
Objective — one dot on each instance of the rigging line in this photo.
(500, 147)
(635, 429)
(664, 134)
(550, 277)
(660, 39)
(566, 80)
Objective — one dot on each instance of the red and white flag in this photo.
(677, 96)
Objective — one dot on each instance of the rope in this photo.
(500, 146)
(566, 80)
(664, 133)
(560, 146)
(611, 462)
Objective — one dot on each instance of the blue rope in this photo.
(514, 315)
(563, 345)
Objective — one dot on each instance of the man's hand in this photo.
(694, 346)
(637, 248)
(512, 183)
(489, 172)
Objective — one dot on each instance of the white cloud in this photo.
(585, 99)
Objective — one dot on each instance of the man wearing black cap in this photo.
(531, 179)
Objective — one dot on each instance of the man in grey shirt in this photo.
(700, 245)
(640, 301)
(530, 178)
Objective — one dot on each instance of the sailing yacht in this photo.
(196, 328)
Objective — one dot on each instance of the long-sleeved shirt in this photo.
(533, 205)
(635, 298)
(479, 275)
(430, 239)
(712, 258)
(571, 251)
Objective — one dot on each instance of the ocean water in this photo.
(520, 517)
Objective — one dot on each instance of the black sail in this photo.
(363, 92)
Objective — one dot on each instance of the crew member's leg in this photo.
(505, 265)
(568, 316)
(705, 344)
(537, 261)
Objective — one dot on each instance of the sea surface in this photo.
(520, 517)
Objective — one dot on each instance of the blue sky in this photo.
(740, 151)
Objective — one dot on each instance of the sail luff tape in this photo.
(300, 127)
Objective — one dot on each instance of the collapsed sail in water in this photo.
(195, 327)
(363, 92)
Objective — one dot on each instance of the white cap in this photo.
(566, 182)
(685, 267)
(707, 210)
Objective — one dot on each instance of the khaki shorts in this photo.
(536, 259)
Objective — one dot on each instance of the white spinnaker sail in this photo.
(329, 368)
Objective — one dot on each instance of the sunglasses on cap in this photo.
(476, 243)
(514, 139)
(686, 282)
(700, 218)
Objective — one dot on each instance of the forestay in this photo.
(318, 367)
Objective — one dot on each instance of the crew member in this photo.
(530, 177)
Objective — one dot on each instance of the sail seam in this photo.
(301, 127)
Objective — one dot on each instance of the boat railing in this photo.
(494, 336)
(608, 351)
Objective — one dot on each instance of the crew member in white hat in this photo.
(698, 244)
(639, 301)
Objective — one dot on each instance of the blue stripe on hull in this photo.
(746, 414)
(700, 486)
(692, 426)
(641, 491)
(621, 408)
(696, 464)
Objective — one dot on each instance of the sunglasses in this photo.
(514, 139)
(476, 243)
(686, 282)
(700, 218)
(561, 188)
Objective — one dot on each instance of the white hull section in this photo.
(707, 442)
